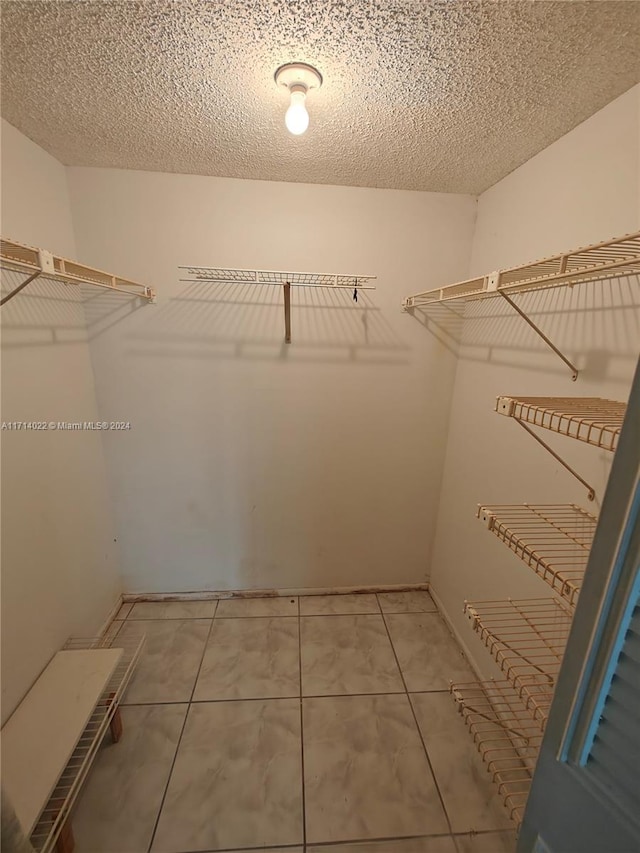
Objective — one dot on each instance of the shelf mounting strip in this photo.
(594, 420)
(280, 278)
(38, 263)
(613, 258)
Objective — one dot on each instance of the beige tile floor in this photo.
(320, 724)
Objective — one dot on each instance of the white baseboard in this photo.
(268, 593)
(458, 638)
(112, 615)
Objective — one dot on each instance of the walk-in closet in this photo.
(320, 426)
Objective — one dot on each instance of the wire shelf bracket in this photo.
(526, 638)
(593, 420)
(39, 263)
(56, 814)
(541, 334)
(552, 539)
(613, 258)
(280, 278)
(505, 736)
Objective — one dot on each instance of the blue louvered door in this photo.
(585, 795)
(611, 754)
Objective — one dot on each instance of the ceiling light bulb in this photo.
(297, 118)
(299, 78)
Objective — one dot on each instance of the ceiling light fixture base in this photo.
(294, 74)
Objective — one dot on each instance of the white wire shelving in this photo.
(45, 266)
(610, 259)
(526, 638)
(505, 735)
(619, 256)
(552, 539)
(280, 278)
(227, 275)
(57, 811)
(592, 420)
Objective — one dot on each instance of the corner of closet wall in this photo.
(582, 189)
(60, 571)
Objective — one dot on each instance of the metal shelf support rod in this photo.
(538, 331)
(17, 289)
(590, 490)
(287, 312)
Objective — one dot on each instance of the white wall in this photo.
(59, 559)
(582, 189)
(252, 464)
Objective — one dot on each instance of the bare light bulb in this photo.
(297, 118)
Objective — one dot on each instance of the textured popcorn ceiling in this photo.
(427, 95)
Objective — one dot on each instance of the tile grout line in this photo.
(304, 798)
(313, 845)
(269, 698)
(415, 719)
(274, 616)
(184, 723)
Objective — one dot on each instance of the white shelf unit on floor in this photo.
(505, 735)
(552, 539)
(43, 265)
(58, 809)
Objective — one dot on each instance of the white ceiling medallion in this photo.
(298, 78)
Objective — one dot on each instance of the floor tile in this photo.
(487, 842)
(170, 659)
(112, 630)
(275, 606)
(119, 805)
(428, 655)
(470, 798)
(237, 778)
(325, 605)
(414, 601)
(173, 610)
(250, 659)
(366, 774)
(124, 611)
(347, 654)
(439, 844)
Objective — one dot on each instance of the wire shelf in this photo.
(552, 539)
(505, 736)
(613, 258)
(58, 809)
(38, 263)
(224, 275)
(526, 639)
(590, 419)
